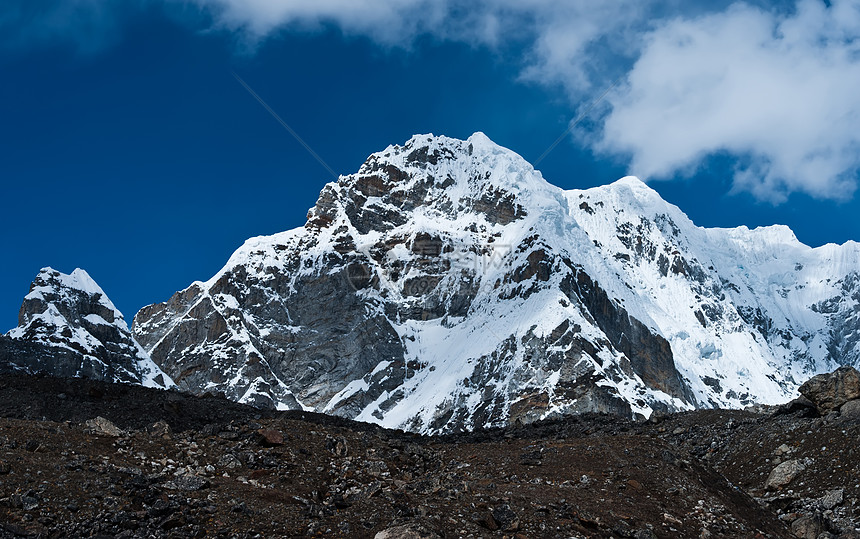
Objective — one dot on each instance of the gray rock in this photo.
(850, 410)
(831, 499)
(160, 428)
(187, 483)
(784, 474)
(27, 502)
(337, 446)
(229, 461)
(830, 391)
(808, 527)
(408, 531)
(102, 427)
(800, 406)
(506, 518)
(760, 409)
(783, 449)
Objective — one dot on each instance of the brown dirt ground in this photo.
(212, 468)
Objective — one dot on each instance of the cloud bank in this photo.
(773, 85)
(779, 92)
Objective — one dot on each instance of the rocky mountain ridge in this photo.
(447, 286)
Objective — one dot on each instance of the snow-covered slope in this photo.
(448, 286)
(67, 326)
(750, 314)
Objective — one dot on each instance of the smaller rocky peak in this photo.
(73, 297)
(68, 319)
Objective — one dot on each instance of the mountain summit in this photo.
(447, 286)
(68, 327)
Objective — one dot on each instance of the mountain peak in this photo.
(632, 182)
(53, 286)
(478, 139)
(71, 314)
(639, 193)
(446, 285)
(474, 180)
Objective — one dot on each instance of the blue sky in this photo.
(127, 148)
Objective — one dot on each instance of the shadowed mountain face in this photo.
(68, 327)
(447, 286)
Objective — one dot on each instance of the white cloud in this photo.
(774, 85)
(556, 34)
(387, 21)
(781, 92)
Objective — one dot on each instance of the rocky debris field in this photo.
(87, 459)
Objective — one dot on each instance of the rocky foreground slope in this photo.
(78, 459)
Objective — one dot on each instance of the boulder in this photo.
(506, 518)
(412, 530)
(851, 410)
(830, 391)
(160, 429)
(102, 427)
(784, 474)
(808, 527)
(832, 498)
(188, 483)
(270, 437)
(801, 407)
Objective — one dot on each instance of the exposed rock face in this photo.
(68, 327)
(830, 391)
(447, 286)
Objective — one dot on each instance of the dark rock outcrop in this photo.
(831, 390)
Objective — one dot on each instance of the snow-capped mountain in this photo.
(448, 286)
(68, 327)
